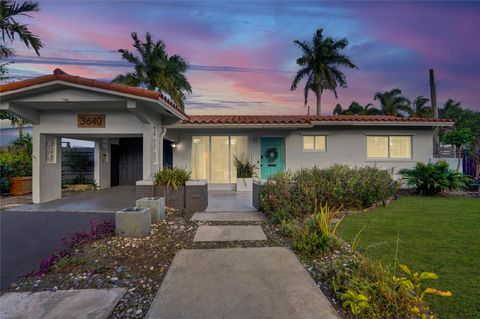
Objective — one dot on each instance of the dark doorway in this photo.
(126, 161)
(167, 153)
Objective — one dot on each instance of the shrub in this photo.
(78, 162)
(337, 185)
(319, 234)
(279, 216)
(172, 177)
(430, 179)
(245, 169)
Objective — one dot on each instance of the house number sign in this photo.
(91, 120)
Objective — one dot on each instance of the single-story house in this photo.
(136, 132)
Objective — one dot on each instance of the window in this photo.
(389, 147)
(315, 143)
(213, 157)
(50, 149)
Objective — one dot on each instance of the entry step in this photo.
(229, 233)
(229, 217)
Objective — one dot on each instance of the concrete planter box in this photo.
(196, 197)
(244, 184)
(80, 187)
(256, 187)
(133, 222)
(20, 185)
(156, 205)
(192, 197)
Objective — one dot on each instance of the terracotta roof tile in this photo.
(60, 75)
(299, 119)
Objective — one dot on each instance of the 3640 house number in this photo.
(91, 120)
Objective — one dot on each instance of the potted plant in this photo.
(16, 166)
(172, 182)
(245, 174)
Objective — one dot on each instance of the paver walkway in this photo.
(229, 233)
(61, 304)
(237, 283)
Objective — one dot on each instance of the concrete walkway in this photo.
(229, 217)
(61, 304)
(237, 283)
(229, 201)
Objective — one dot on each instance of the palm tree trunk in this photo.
(318, 93)
(459, 155)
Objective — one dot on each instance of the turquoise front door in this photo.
(272, 156)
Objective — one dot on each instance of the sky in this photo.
(242, 57)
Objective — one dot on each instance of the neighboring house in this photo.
(136, 132)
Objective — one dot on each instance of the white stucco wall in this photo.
(345, 145)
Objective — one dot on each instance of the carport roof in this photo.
(60, 75)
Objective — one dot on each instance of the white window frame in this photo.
(50, 149)
(388, 146)
(314, 150)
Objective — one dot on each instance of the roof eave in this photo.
(381, 123)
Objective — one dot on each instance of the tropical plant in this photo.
(245, 169)
(319, 234)
(356, 108)
(171, 178)
(155, 69)
(393, 103)
(320, 62)
(462, 138)
(11, 29)
(356, 302)
(419, 107)
(430, 179)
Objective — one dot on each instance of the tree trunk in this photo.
(318, 93)
(459, 156)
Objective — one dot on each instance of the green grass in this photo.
(435, 234)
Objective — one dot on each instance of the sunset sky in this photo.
(242, 54)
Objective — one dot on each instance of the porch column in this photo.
(102, 162)
(46, 167)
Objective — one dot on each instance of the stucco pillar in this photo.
(46, 167)
(102, 162)
(147, 152)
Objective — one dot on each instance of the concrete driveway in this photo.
(27, 237)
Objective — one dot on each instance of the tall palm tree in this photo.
(393, 103)
(10, 28)
(155, 69)
(356, 108)
(320, 62)
(419, 107)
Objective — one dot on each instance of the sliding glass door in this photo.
(213, 157)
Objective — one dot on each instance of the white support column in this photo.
(147, 152)
(102, 162)
(47, 167)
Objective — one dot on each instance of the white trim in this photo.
(381, 123)
(167, 106)
(215, 126)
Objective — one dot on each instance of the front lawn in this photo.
(435, 234)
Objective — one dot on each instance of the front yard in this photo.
(435, 234)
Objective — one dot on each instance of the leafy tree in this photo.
(320, 62)
(393, 102)
(155, 69)
(11, 29)
(419, 107)
(356, 108)
(465, 120)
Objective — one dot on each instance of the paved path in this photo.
(61, 304)
(229, 217)
(229, 233)
(229, 201)
(237, 283)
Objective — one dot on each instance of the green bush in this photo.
(337, 185)
(319, 233)
(430, 179)
(14, 164)
(172, 177)
(279, 216)
(245, 169)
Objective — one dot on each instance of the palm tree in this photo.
(319, 64)
(419, 108)
(155, 69)
(393, 103)
(356, 108)
(11, 28)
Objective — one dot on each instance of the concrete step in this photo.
(229, 233)
(229, 217)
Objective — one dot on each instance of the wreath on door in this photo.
(271, 154)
